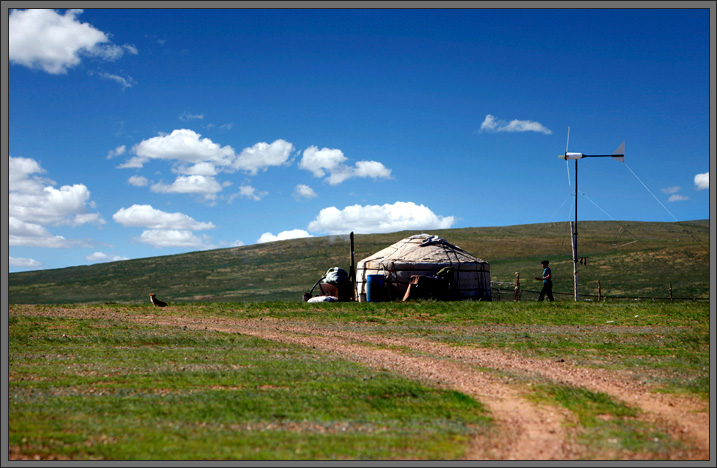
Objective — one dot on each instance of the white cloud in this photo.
(373, 169)
(119, 151)
(33, 235)
(138, 181)
(247, 191)
(677, 197)
(378, 219)
(164, 229)
(183, 145)
(320, 161)
(34, 203)
(202, 169)
(135, 162)
(173, 238)
(263, 155)
(51, 206)
(200, 159)
(187, 116)
(146, 216)
(46, 40)
(103, 257)
(193, 184)
(23, 262)
(20, 172)
(490, 124)
(284, 235)
(702, 181)
(669, 190)
(331, 162)
(304, 191)
(124, 82)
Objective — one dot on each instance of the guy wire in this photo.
(663, 206)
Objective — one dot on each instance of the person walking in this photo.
(547, 280)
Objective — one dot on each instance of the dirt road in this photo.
(525, 430)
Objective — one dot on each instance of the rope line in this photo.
(673, 216)
(653, 195)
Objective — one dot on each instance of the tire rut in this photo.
(524, 430)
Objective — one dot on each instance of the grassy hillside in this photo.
(633, 259)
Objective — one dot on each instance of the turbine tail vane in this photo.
(619, 154)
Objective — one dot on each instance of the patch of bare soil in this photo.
(525, 430)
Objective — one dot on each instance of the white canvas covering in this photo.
(424, 254)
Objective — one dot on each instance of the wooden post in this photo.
(352, 270)
(517, 287)
(599, 291)
(670, 292)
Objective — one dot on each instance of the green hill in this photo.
(630, 259)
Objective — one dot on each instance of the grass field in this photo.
(112, 382)
(630, 259)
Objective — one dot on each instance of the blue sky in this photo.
(145, 132)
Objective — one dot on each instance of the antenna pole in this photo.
(575, 235)
(618, 155)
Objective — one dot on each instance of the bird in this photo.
(155, 301)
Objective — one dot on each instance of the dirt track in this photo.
(525, 431)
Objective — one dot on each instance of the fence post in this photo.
(670, 292)
(516, 298)
(599, 291)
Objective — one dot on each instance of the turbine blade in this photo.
(568, 141)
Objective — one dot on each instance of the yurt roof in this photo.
(422, 248)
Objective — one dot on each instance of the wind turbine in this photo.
(618, 155)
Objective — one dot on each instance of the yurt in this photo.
(423, 255)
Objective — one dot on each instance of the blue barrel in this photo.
(375, 287)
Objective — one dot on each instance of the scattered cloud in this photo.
(149, 217)
(119, 151)
(263, 155)
(378, 219)
(302, 191)
(46, 40)
(198, 160)
(202, 168)
(124, 82)
(25, 234)
(35, 203)
(669, 190)
(164, 229)
(205, 186)
(331, 163)
(23, 262)
(173, 238)
(247, 191)
(702, 181)
(138, 181)
(98, 257)
(187, 116)
(677, 197)
(183, 146)
(490, 124)
(284, 235)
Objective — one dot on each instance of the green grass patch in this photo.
(608, 429)
(107, 389)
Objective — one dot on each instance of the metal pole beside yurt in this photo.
(424, 255)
